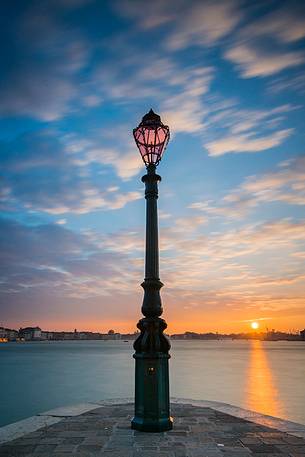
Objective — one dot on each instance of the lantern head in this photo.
(151, 137)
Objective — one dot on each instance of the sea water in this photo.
(268, 377)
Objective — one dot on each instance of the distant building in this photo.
(8, 334)
(302, 334)
(45, 335)
(3, 335)
(130, 336)
(12, 335)
(111, 335)
(64, 335)
(84, 335)
(30, 333)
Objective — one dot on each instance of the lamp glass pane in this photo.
(161, 135)
(151, 141)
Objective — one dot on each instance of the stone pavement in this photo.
(198, 432)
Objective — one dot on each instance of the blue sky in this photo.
(228, 78)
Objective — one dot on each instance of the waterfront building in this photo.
(111, 335)
(64, 336)
(30, 333)
(8, 334)
(3, 337)
(45, 335)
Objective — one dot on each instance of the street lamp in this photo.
(152, 346)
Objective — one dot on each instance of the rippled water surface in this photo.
(268, 377)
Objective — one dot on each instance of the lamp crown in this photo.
(151, 118)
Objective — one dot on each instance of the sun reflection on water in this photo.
(261, 392)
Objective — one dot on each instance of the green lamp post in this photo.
(152, 409)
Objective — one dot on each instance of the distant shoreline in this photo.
(172, 339)
(37, 334)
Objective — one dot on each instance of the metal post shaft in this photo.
(152, 346)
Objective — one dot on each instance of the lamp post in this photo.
(152, 346)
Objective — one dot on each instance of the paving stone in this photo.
(44, 448)
(254, 440)
(141, 453)
(94, 440)
(16, 451)
(234, 454)
(72, 440)
(292, 450)
(263, 454)
(181, 453)
(276, 441)
(71, 448)
(89, 448)
(292, 439)
(123, 453)
(49, 440)
(199, 452)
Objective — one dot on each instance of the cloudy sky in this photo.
(228, 78)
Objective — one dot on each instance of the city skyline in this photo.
(228, 79)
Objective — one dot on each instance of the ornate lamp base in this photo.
(152, 380)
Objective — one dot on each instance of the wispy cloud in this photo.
(26, 95)
(246, 143)
(126, 165)
(45, 87)
(245, 130)
(44, 166)
(261, 48)
(284, 84)
(177, 90)
(47, 257)
(201, 23)
(286, 23)
(285, 185)
(156, 14)
(185, 112)
(252, 60)
(204, 24)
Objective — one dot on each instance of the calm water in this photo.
(268, 377)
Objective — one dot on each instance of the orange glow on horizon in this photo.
(198, 322)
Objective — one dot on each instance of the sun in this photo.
(254, 325)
